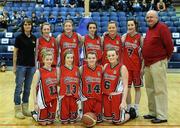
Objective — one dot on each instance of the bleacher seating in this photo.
(101, 18)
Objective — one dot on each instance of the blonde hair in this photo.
(45, 23)
(45, 52)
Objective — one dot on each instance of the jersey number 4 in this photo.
(96, 89)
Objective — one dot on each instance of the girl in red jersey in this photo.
(69, 88)
(69, 40)
(111, 39)
(46, 81)
(132, 43)
(46, 42)
(92, 42)
(114, 90)
(91, 75)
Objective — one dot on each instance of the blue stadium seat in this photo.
(58, 29)
(138, 13)
(12, 41)
(55, 13)
(80, 9)
(121, 14)
(25, 4)
(39, 9)
(47, 9)
(173, 29)
(140, 18)
(31, 9)
(63, 9)
(143, 29)
(175, 65)
(10, 29)
(162, 13)
(104, 24)
(113, 14)
(113, 18)
(171, 13)
(55, 34)
(95, 14)
(16, 34)
(165, 18)
(3, 48)
(177, 23)
(17, 5)
(32, 4)
(72, 13)
(104, 18)
(178, 29)
(2, 34)
(71, 9)
(96, 18)
(174, 18)
(103, 29)
(122, 24)
(123, 30)
(143, 24)
(169, 23)
(105, 14)
(175, 57)
(123, 18)
(37, 34)
(55, 9)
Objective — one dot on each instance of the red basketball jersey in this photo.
(93, 45)
(111, 43)
(69, 81)
(110, 78)
(131, 56)
(70, 43)
(49, 45)
(48, 84)
(91, 82)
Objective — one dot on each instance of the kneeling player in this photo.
(91, 74)
(114, 90)
(69, 88)
(46, 95)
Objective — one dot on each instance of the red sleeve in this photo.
(167, 40)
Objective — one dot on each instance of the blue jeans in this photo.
(24, 76)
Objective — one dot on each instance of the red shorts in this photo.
(48, 113)
(134, 78)
(111, 106)
(93, 105)
(69, 109)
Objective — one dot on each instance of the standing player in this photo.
(111, 39)
(46, 42)
(69, 40)
(114, 90)
(91, 74)
(69, 87)
(46, 80)
(132, 43)
(93, 42)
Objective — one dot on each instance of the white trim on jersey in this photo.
(40, 97)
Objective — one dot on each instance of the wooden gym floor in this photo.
(7, 118)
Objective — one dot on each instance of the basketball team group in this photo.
(69, 83)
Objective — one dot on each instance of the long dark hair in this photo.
(136, 24)
(29, 21)
(95, 34)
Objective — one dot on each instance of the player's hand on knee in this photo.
(123, 105)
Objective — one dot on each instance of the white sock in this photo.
(128, 107)
(136, 106)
